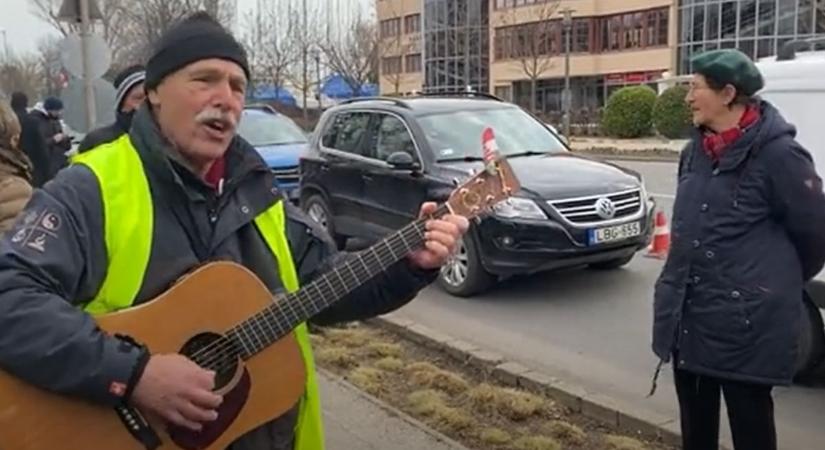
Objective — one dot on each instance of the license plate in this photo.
(614, 233)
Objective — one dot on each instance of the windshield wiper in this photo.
(527, 153)
(468, 158)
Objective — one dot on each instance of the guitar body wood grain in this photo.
(212, 299)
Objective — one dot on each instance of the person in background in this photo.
(48, 118)
(747, 233)
(31, 141)
(130, 95)
(15, 170)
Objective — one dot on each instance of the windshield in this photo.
(457, 135)
(270, 129)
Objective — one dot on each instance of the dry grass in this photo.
(367, 378)
(384, 349)
(425, 402)
(350, 337)
(337, 356)
(616, 442)
(443, 380)
(390, 364)
(511, 403)
(569, 434)
(431, 404)
(494, 436)
(536, 443)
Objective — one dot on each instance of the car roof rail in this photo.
(261, 106)
(458, 93)
(396, 101)
(789, 49)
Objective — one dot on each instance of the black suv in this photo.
(372, 162)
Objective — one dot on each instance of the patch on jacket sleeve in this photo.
(36, 228)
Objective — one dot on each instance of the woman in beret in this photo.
(748, 231)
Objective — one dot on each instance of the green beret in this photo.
(729, 66)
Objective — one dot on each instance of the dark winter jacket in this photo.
(46, 272)
(49, 128)
(106, 134)
(34, 146)
(746, 235)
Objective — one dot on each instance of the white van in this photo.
(795, 84)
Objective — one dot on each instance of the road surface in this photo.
(594, 327)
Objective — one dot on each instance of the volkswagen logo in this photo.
(605, 208)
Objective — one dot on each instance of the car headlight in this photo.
(516, 207)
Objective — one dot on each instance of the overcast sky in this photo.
(23, 29)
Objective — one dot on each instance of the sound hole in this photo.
(214, 352)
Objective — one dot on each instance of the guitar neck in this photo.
(279, 319)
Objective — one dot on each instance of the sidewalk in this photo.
(354, 420)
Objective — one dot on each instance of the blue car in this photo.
(279, 140)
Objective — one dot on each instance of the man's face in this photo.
(55, 113)
(133, 99)
(199, 106)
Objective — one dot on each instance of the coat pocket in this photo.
(720, 329)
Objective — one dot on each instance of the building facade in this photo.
(757, 27)
(502, 46)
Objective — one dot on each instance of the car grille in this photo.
(583, 210)
(287, 175)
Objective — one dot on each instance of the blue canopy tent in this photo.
(269, 93)
(336, 87)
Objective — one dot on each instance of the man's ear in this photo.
(153, 97)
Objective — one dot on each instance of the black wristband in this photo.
(137, 372)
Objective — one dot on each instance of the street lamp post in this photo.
(5, 45)
(318, 78)
(567, 96)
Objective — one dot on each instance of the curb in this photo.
(640, 155)
(650, 426)
(391, 410)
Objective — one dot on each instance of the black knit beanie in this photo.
(195, 38)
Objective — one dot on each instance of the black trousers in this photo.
(750, 412)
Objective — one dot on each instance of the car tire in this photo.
(316, 208)
(613, 264)
(464, 275)
(811, 347)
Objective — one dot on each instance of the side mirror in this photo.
(402, 161)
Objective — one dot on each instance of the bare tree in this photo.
(306, 39)
(50, 65)
(270, 44)
(354, 56)
(129, 27)
(533, 44)
(21, 74)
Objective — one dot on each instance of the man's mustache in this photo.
(216, 116)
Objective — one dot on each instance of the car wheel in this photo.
(612, 264)
(316, 208)
(463, 275)
(811, 348)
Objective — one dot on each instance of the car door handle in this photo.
(324, 167)
(366, 177)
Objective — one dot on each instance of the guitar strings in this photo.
(223, 351)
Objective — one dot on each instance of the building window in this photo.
(412, 63)
(412, 23)
(504, 92)
(581, 35)
(759, 28)
(390, 27)
(391, 65)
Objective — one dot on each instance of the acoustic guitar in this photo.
(223, 318)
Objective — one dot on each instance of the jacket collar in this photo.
(163, 159)
(739, 151)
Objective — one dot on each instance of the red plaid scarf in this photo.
(716, 143)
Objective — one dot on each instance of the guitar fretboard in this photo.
(267, 327)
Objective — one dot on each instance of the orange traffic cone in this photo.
(661, 238)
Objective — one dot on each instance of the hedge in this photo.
(629, 112)
(671, 114)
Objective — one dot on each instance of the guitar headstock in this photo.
(484, 190)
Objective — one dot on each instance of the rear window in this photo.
(455, 135)
(270, 129)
